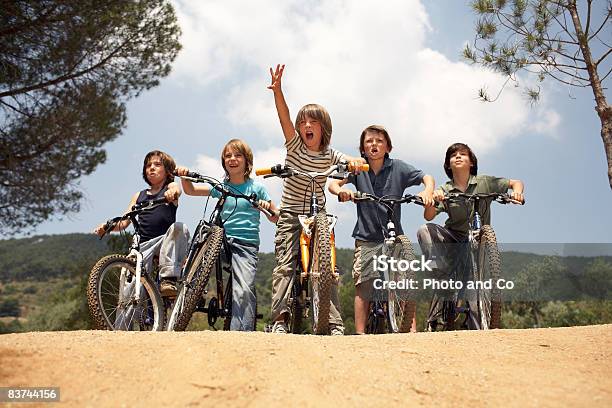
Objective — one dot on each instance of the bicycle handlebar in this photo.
(226, 192)
(502, 198)
(408, 198)
(136, 209)
(281, 171)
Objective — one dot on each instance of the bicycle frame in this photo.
(126, 275)
(469, 261)
(307, 243)
(219, 306)
(379, 306)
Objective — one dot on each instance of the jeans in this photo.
(172, 249)
(244, 266)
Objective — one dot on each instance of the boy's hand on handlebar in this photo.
(428, 197)
(438, 195)
(172, 193)
(264, 204)
(181, 171)
(356, 164)
(516, 196)
(345, 195)
(100, 230)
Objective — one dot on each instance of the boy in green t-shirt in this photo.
(461, 166)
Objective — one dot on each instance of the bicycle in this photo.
(208, 250)
(121, 293)
(481, 260)
(317, 251)
(394, 312)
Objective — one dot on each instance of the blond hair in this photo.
(244, 149)
(319, 113)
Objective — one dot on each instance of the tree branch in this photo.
(41, 21)
(605, 76)
(63, 78)
(14, 108)
(603, 24)
(603, 57)
(567, 83)
(588, 22)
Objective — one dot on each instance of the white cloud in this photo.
(365, 62)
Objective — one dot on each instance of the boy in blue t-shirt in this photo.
(386, 177)
(241, 227)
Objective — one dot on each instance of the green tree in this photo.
(534, 283)
(66, 70)
(550, 38)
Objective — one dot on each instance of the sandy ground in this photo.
(544, 367)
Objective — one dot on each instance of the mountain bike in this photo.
(121, 293)
(208, 251)
(479, 261)
(392, 310)
(312, 288)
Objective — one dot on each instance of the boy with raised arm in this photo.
(307, 143)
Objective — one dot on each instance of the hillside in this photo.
(42, 285)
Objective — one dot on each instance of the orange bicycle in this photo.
(312, 288)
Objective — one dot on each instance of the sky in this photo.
(395, 63)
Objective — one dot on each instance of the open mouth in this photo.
(309, 135)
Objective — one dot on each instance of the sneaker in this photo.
(279, 327)
(336, 330)
(167, 287)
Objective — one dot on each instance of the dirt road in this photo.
(544, 367)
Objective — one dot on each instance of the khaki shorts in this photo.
(363, 261)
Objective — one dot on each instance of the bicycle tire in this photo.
(196, 280)
(489, 267)
(296, 308)
(375, 323)
(227, 320)
(109, 311)
(402, 308)
(321, 282)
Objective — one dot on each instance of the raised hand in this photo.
(276, 75)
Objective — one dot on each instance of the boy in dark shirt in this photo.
(386, 177)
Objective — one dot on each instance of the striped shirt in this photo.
(296, 189)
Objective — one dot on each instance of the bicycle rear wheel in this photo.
(321, 274)
(489, 268)
(196, 279)
(401, 308)
(111, 297)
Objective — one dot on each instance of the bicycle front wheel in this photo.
(112, 301)
(489, 269)
(198, 274)
(321, 274)
(296, 306)
(401, 307)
